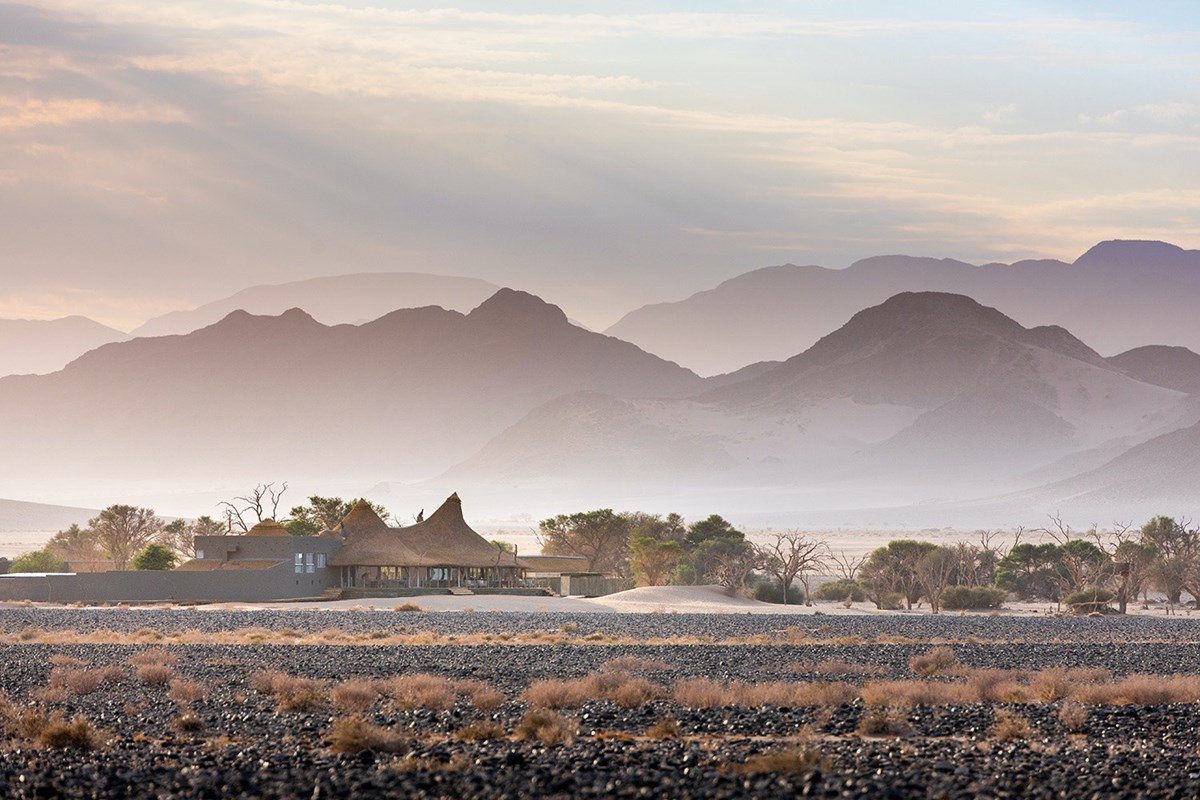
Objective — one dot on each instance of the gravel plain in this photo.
(240, 743)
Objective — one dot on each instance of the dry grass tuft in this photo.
(155, 674)
(700, 693)
(408, 606)
(356, 695)
(481, 731)
(880, 722)
(422, 690)
(291, 693)
(1010, 726)
(799, 760)
(545, 726)
(78, 682)
(182, 690)
(156, 656)
(189, 722)
(558, 694)
(936, 661)
(355, 734)
(635, 665)
(664, 728)
(1074, 717)
(57, 734)
(480, 695)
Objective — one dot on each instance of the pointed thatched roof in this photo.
(443, 540)
(268, 527)
(362, 519)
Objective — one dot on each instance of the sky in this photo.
(155, 156)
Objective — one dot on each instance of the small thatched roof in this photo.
(268, 527)
(362, 519)
(442, 540)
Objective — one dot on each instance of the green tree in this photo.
(122, 530)
(44, 560)
(714, 552)
(1178, 551)
(652, 560)
(1032, 570)
(325, 513)
(75, 544)
(600, 536)
(154, 556)
(893, 568)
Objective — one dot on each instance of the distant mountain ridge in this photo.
(1116, 296)
(41, 346)
(925, 393)
(403, 396)
(335, 299)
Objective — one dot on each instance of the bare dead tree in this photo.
(791, 555)
(844, 565)
(244, 511)
(733, 568)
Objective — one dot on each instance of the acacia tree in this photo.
(652, 560)
(180, 535)
(325, 513)
(601, 536)
(122, 530)
(75, 544)
(791, 555)
(262, 502)
(1178, 551)
(934, 570)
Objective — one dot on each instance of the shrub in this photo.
(792, 761)
(155, 674)
(422, 690)
(664, 728)
(408, 606)
(480, 695)
(545, 726)
(840, 590)
(558, 694)
(291, 693)
(78, 682)
(962, 598)
(58, 734)
(1010, 726)
(154, 557)
(37, 561)
(771, 592)
(932, 662)
(186, 691)
(189, 722)
(699, 693)
(1093, 598)
(355, 734)
(877, 722)
(482, 731)
(1074, 717)
(355, 695)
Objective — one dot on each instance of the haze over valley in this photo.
(926, 407)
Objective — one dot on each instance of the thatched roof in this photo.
(268, 527)
(442, 540)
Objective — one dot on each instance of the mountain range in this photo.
(40, 346)
(927, 398)
(406, 395)
(1116, 296)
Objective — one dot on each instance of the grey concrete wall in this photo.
(278, 583)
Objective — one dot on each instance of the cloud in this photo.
(16, 114)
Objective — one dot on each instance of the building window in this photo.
(320, 561)
(299, 562)
(199, 554)
(308, 563)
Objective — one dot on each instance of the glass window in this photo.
(320, 561)
(308, 562)
(199, 554)
(299, 562)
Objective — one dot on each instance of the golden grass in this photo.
(936, 661)
(182, 690)
(795, 760)
(545, 726)
(356, 695)
(291, 693)
(1010, 726)
(422, 690)
(664, 728)
(480, 731)
(355, 734)
(155, 674)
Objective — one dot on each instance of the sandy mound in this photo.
(708, 599)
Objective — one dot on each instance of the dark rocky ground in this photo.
(248, 747)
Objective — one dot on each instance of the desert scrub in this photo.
(966, 598)
(664, 728)
(545, 726)
(1073, 717)
(796, 760)
(55, 733)
(155, 674)
(482, 731)
(291, 693)
(934, 661)
(155, 656)
(881, 722)
(356, 695)
(1010, 726)
(355, 734)
(182, 690)
(422, 690)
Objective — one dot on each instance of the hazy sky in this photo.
(156, 155)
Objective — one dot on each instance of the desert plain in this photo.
(679, 692)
